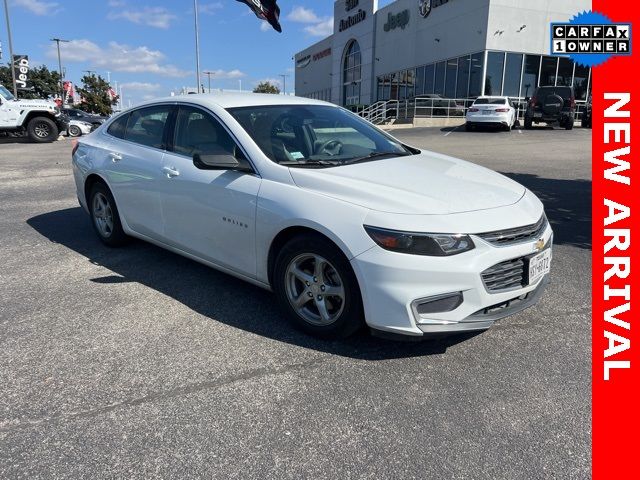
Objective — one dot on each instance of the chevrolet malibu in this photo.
(345, 224)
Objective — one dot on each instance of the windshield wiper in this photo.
(376, 155)
(311, 163)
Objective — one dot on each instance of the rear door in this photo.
(133, 166)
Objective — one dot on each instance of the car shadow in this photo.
(567, 204)
(213, 294)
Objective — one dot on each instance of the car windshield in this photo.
(490, 101)
(315, 136)
(6, 93)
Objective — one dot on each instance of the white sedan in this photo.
(347, 225)
(77, 128)
(491, 111)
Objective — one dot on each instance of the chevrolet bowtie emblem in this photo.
(539, 245)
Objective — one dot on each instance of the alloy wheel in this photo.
(103, 215)
(42, 130)
(315, 289)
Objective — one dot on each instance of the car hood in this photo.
(427, 184)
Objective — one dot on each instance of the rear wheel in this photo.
(568, 123)
(74, 131)
(104, 216)
(468, 127)
(42, 130)
(528, 123)
(317, 289)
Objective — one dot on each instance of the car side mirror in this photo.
(224, 161)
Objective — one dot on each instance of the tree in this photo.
(266, 87)
(95, 94)
(42, 82)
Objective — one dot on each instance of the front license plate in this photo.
(539, 266)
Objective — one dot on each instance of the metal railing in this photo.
(380, 112)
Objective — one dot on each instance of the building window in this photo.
(419, 81)
(512, 74)
(352, 73)
(429, 72)
(464, 64)
(452, 74)
(495, 68)
(475, 81)
(581, 82)
(530, 76)
(548, 71)
(565, 72)
(439, 86)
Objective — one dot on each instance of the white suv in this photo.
(41, 120)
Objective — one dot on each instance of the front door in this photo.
(208, 213)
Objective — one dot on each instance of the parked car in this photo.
(553, 106)
(347, 225)
(78, 128)
(585, 121)
(491, 111)
(432, 104)
(40, 120)
(77, 114)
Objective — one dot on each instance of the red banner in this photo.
(616, 265)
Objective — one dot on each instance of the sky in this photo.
(148, 45)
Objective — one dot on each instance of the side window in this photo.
(146, 126)
(118, 127)
(198, 132)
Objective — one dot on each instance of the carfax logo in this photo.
(590, 39)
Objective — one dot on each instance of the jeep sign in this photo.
(21, 69)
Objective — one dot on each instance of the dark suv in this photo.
(586, 115)
(551, 105)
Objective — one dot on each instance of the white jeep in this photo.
(41, 120)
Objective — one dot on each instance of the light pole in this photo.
(58, 40)
(208, 74)
(197, 25)
(284, 83)
(13, 72)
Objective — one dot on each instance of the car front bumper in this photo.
(392, 282)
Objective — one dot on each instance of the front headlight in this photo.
(431, 244)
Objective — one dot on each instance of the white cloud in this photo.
(39, 7)
(210, 8)
(158, 17)
(303, 15)
(227, 75)
(141, 86)
(322, 29)
(316, 26)
(265, 27)
(117, 57)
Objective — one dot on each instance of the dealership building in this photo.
(455, 48)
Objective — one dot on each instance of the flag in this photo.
(265, 10)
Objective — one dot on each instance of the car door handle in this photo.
(115, 157)
(170, 172)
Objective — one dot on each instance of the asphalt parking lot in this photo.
(138, 363)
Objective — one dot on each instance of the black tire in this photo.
(468, 127)
(568, 123)
(74, 131)
(351, 316)
(42, 130)
(528, 123)
(116, 237)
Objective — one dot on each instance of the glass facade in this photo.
(515, 75)
(352, 74)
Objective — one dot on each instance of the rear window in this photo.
(490, 101)
(146, 126)
(118, 127)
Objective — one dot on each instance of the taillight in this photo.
(76, 144)
(502, 109)
(573, 102)
(533, 101)
(474, 110)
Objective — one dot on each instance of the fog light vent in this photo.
(438, 304)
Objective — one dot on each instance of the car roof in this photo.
(231, 100)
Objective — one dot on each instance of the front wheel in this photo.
(42, 130)
(74, 131)
(317, 289)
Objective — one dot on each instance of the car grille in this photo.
(513, 236)
(504, 276)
